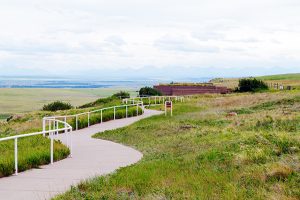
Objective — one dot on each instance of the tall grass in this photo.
(200, 153)
(107, 115)
(32, 152)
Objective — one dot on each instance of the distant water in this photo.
(46, 82)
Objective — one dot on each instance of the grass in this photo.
(32, 152)
(35, 151)
(16, 100)
(282, 79)
(200, 153)
(295, 76)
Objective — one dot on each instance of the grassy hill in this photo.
(34, 151)
(290, 77)
(204, 153)
(281, 79)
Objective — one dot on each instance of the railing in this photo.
(67, 129)
(157, 100)
(137, 104)
(54, 123)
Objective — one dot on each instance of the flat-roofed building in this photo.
(190, 89)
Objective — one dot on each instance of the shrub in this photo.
(57, 105)
(149, 91)
(121, 95)
(251, 85)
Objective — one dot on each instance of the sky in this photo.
(149, 38)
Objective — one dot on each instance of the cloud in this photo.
(94, 35)
(183, 44)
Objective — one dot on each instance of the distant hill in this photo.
(295, 76)
(285, 79)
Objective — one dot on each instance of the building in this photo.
(190, 89)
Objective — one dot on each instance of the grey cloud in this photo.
(116, 40)
(208, 35)
(184, 45)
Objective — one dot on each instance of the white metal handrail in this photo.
(67, 129)
(76, 116)
(53, 123)
(158, 100)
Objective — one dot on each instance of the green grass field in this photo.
(282, 79)
(202, 153)
(15, 100)
(35, 151)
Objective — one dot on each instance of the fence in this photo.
(154, 100)
(58, 124)
(138, 104)
(51, 124)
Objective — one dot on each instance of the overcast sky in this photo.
(159, 37)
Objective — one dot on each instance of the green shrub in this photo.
(57, 105)
(251, 85)
(121, 95)
(149, 91)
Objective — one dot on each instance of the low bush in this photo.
(149, 91)
(251, 85)
(121, 95)
(57, 105)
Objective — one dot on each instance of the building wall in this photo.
(189, 90)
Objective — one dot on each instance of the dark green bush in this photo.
(57, 105)
(149, 91)
(121, 95)
(251, 85)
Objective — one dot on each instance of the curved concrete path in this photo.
(91, 157)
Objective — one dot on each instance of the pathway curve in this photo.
(91, 157)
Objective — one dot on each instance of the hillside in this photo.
(202, 152)
(295, 77)
(282, 79)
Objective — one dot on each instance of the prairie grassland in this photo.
(284, 79)
(35, 151)
(202, 153)
(19, 100)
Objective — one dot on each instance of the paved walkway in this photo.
(91, 157)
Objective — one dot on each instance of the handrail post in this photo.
(71, 142)
(44, 126)
(51, 147)
(16, 156)
(137, 109)
(65, 124)
(88, 119)
(155, 100)
(126, 111)
(76, 122)
(114, 112)
(57, 127)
